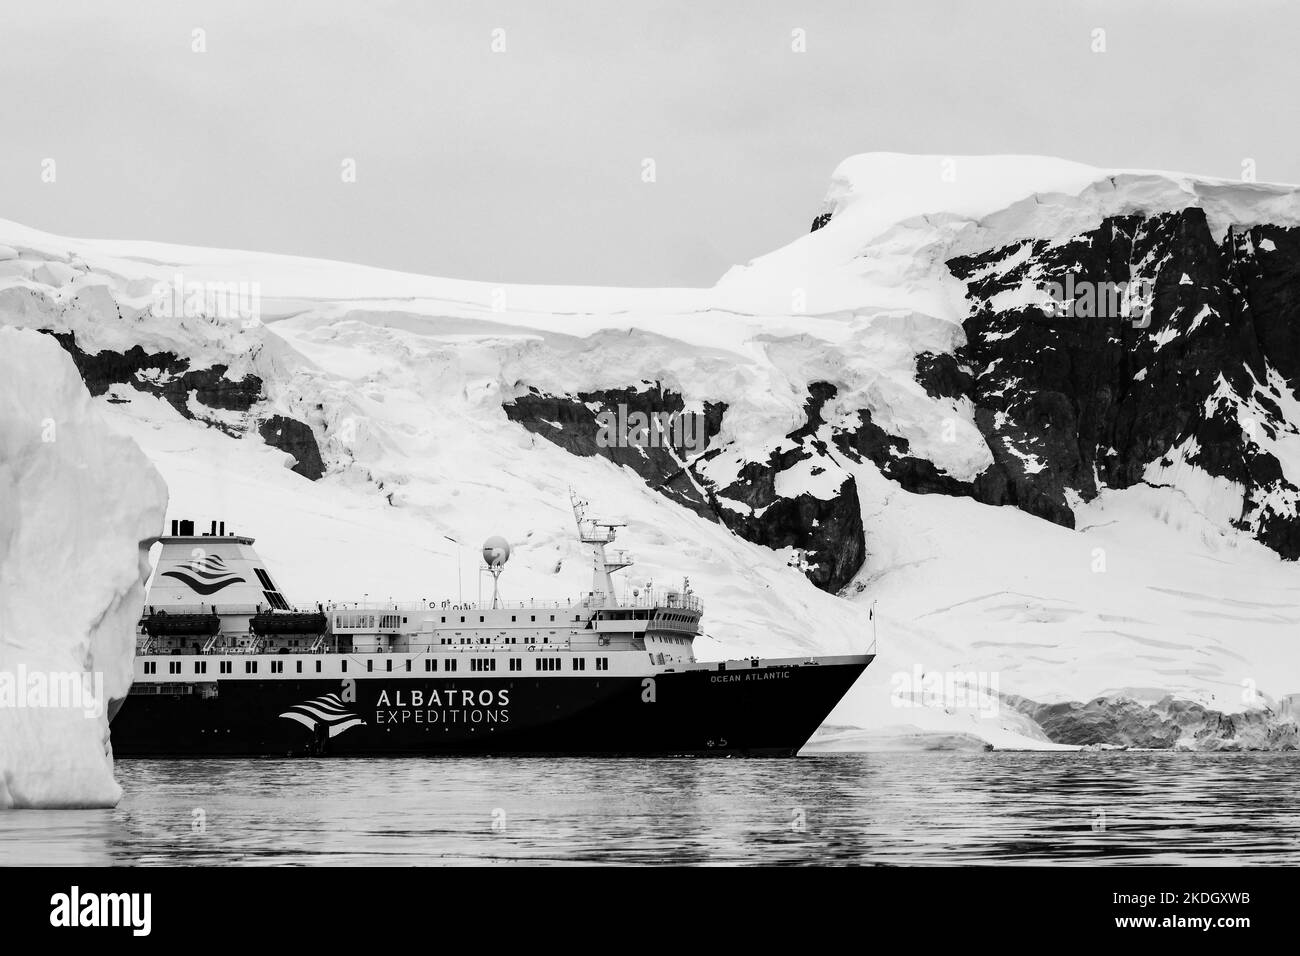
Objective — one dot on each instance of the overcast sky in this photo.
(527, 165)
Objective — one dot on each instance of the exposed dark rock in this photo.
(1071, 402)
(296, 438)
(918, 475)
(165, 375)
(170, 377)
(827, 532)
(647, 429)
(820, 221)
(942, 376)
(1169, 723)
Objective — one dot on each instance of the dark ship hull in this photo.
(766, 709)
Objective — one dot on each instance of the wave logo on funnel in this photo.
(327, 711)
(206, 575)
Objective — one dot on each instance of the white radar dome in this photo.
(496, 551)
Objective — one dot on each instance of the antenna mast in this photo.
(596, 534)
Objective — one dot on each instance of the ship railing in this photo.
(445, 605)
(657, 597)
(654, 598)
(230, 649)
(436, 649)
(225, 609)
(322, 646)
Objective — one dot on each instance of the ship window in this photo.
(462, 619)
(300, 667)
(389, 662)
(449, 664)
(226, 666)
(408, 663)
(579, 663)
(345, 666)
(552, 617)
(480, 618)
(370, 665)
(532, 617)
(250, 667)
(512, 618)
(318, 667)
(444, 619)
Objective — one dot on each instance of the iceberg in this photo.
(79, 508)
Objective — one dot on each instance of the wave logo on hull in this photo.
(327, 711)
(206, 575)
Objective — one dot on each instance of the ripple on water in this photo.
(891, 808)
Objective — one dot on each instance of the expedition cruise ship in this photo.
(226, 666)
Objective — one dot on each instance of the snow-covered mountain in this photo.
(916, 404)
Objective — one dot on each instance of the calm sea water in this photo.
(913, 808)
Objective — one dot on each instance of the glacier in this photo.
(79, 507)
(827, 365)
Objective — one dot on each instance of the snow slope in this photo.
(76, 503)
(402, 380)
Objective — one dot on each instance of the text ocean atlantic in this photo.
(443, 707)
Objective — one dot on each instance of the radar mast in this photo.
(596, 534)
